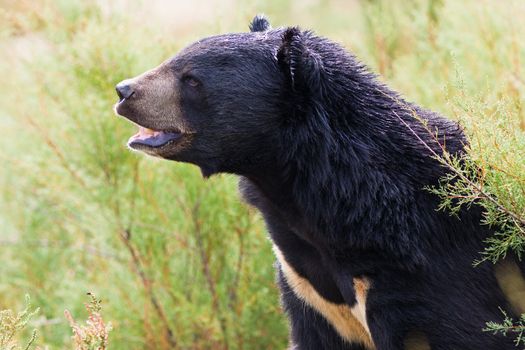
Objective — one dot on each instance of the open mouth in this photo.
(147, 140)
(152, 138)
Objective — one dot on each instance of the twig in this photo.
(205, 263)
(125, 236)
(56, 150)
(235, 284)
(518, 221)
(45, 243)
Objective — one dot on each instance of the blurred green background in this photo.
(179, 261)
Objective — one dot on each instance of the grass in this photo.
(179, 261)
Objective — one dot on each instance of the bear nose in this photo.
(124, 89)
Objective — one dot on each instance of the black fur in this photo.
(337, 164)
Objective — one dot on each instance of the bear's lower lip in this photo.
(151, 138)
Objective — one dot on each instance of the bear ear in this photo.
(259, 24)
(302, 67)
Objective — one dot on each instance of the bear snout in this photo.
(124, 89)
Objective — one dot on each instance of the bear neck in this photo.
(354, 170)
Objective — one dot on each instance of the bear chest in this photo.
(300, 260)
(311, 280)
(348, 321)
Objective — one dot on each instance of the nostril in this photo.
(119, 93)
(124, 90)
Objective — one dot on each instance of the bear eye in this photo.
(191, 80)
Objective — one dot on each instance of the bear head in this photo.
(222, 102)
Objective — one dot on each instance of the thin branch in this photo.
(125, 236)
(518, 221)
(45, 243)
(205, 263)
(56, 150)
(238, 269)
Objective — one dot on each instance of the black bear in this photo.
(337, 163)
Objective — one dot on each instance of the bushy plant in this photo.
(94, 335)
(12, 324)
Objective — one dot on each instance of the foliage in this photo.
(509, 326)
(181, 262)
(11, 325)
(94, 335)
(492, 175)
